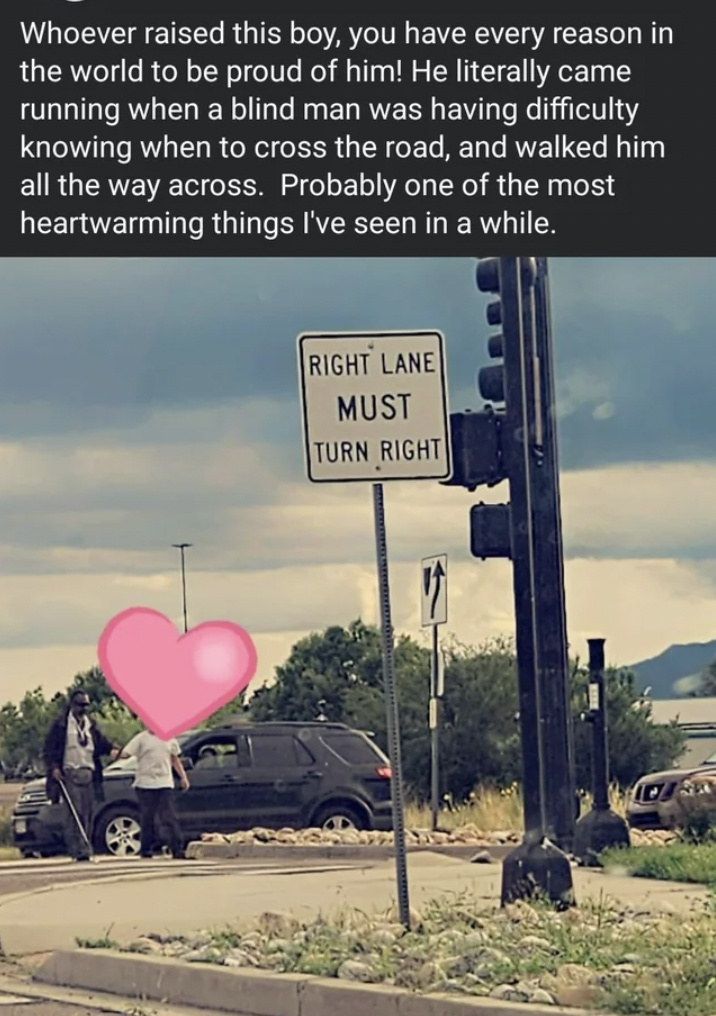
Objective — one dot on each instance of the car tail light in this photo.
(385, 772)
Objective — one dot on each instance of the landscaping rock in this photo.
(482, 857)
(511, 993)
(354, 970)
(468, 835)
(652, 837)
(146, 946)
(538, 996)
(535, 942)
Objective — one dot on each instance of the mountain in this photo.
(675, 672)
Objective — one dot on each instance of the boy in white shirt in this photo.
(154, 784)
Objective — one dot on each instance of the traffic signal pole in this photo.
(537, 865)
(555, 690)
(516, 452)
(514, 438)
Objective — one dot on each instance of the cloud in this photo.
(103, 507)
(88, 345)
(632, 603)
(145, 402)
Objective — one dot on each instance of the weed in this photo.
(105, 942)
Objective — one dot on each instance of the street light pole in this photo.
(181, 547)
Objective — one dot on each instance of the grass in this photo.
(490, 811)
(679, 862)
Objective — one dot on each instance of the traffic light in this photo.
(490, 531)
(476, 450)
(491, 380)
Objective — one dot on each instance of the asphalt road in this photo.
(30, 876)
(23, 882)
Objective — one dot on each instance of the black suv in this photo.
(275, 775)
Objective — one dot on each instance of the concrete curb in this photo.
(250, 993)
(379, 852)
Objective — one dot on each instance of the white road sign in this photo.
(375, 406)
(433, 590)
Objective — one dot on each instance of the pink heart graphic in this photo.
(171, 681)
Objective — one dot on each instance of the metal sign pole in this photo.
(434, 728)
(391, 706)
(433, 612)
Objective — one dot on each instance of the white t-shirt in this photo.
(154, 760)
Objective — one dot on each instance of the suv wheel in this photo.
(338, 818)
(118, 832)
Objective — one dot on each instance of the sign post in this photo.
(433, 604)
(391, 705)
(375, 409)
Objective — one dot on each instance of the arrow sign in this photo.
(438, 575)
(433, 590)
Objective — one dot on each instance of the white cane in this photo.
(75, 816)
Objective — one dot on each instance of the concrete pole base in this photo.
(538, 870)
(596, 831)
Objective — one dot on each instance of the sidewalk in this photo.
(124, 910)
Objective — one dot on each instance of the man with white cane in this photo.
(73, 755)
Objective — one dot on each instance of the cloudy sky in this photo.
(144, 403)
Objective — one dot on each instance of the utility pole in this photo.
(550, 609)
(182, 547)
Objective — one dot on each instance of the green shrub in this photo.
(699, 827)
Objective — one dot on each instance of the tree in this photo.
(319, 674)
(339, 673)
(480, 740)
(94, 683)
(23, 730)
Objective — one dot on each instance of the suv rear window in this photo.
(277, 750)
(353, 749)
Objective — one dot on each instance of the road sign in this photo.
(433, 590)
(375, 406)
